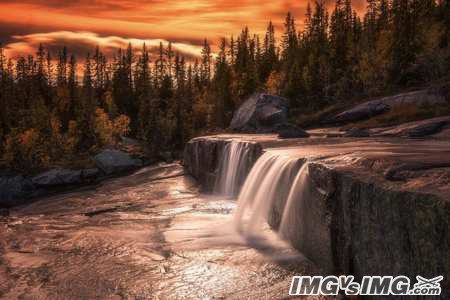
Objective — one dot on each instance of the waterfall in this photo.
(269, 194)
(266, 190)
(293, 221)
(234, 162)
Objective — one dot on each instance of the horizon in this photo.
(112, 25)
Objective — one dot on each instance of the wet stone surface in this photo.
(149, 235)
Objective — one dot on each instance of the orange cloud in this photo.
(83, 42)
(111, 22)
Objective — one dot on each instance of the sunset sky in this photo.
(83, 24)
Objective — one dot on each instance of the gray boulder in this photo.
(290, 131)
(357, 132)
(90, 174)
(56, 177)
(260, 114)
(115, 161)
(362, 111)
(379, 106)
(426, 129)
(15, 190)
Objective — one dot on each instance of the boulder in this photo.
(90, 174)
(417, 129)
(357, 132)
(379, 106)
(115, 161)
(260, 114)
(290, 131)
(56, 177)
(426, 129)
(15, 190)
(362, 111)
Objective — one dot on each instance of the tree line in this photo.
(48, 112)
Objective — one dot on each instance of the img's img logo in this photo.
(370, 285)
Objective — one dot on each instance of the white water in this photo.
(234, 160)
(274, 183)
(293, 221)
(274, 186)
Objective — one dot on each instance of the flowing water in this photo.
(149, 235)
(274, 192)
(234, 160)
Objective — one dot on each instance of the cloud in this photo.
(111, 24)
(81, 43)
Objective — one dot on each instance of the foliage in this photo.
(337, 57)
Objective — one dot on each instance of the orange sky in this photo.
(82, 24)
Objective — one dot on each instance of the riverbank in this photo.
(147, 235)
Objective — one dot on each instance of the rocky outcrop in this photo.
(18, 189)
(360, 226)
(377, 213)
(15, 190)
(357, 132)
(260, 114)
(56, 177)
(379, 106)
(115, 161)
(202, 159)
(417, 129)
(290, 131)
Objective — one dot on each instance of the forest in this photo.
(49, 112)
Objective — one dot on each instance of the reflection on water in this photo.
(149, 235)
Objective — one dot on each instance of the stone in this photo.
(15, 190)
(362, 111)
(115, 161)
(56, 177)
(261, 113)
(90, 174)
(376, 107)
(357, 132)
(290, 131)
(426, 129)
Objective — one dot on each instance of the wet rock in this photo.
(260, 113)
(290, 131)
(115, 161)
(15, 190)
(365, 219)
(56, 177)
(202, 158)
(426, 129)
(357, 132)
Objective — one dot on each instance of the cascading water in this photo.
(271, 189)
(233, 163)
(269, 192)
(293, 221)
